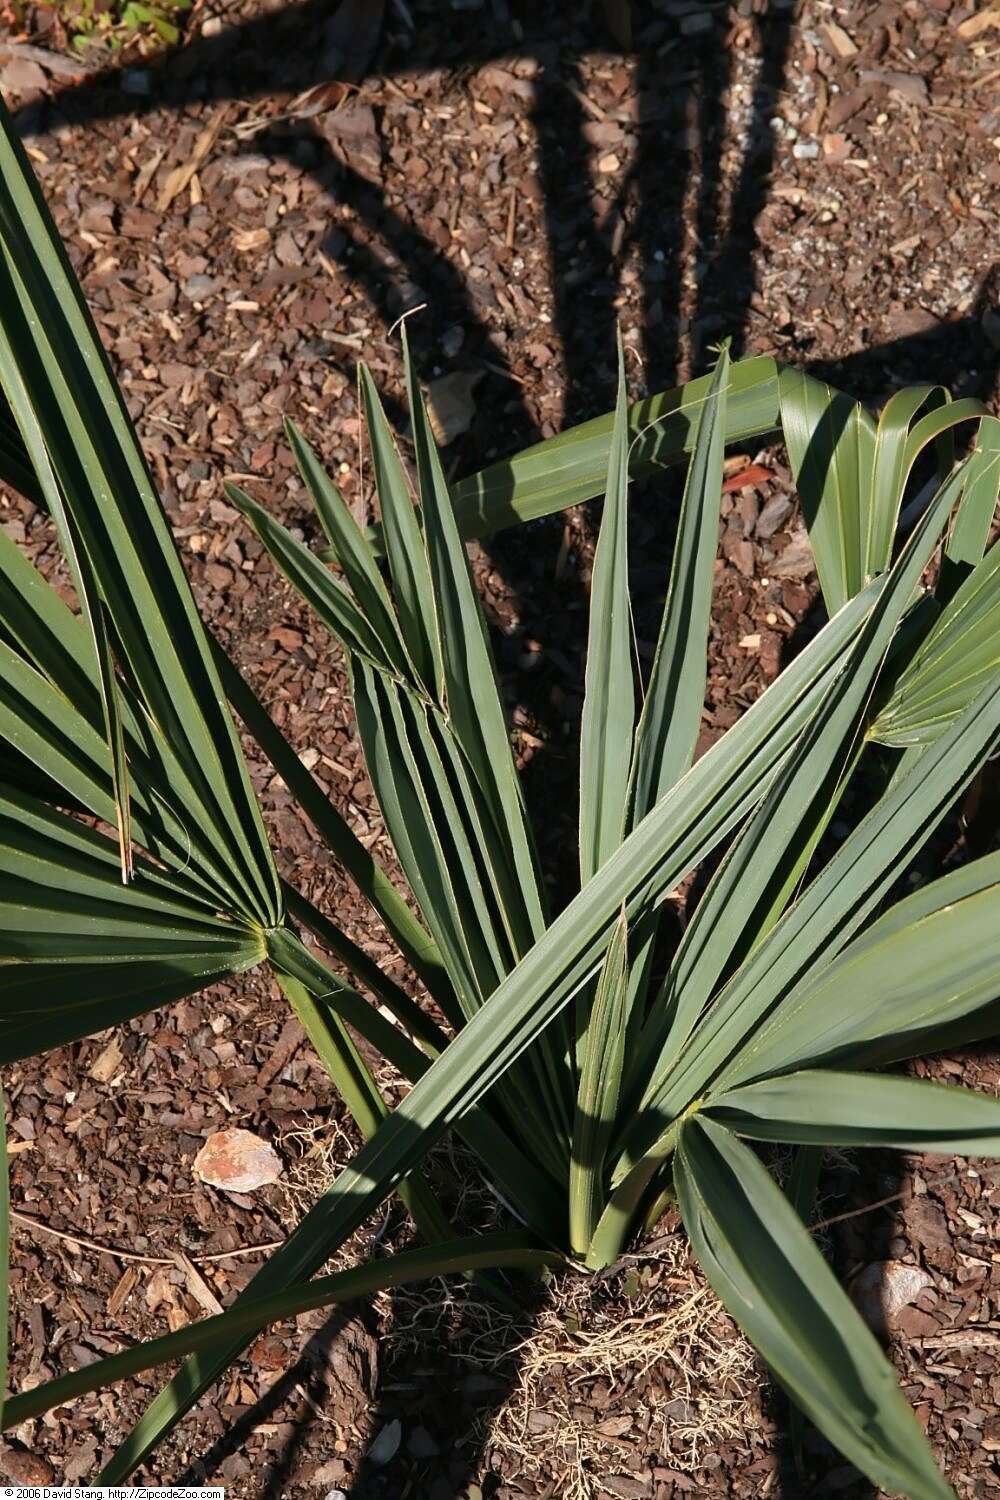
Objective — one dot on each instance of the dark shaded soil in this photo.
(247, 229)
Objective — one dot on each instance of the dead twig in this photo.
(129, 1255)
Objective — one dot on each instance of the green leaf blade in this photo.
(608, 723)
(572, 467)
(78, 950)
(831, 448)
(324, 594)
(959, 656)
(837, 902)
(74, 423)
(686, 825)
(671, 717)
(971, 530)
(404, 543)
(772, 1278)
(599, 1092)
(931, 964)
(832, 1108)
(890, 469)
(354, 552)
(411, 937)
(471, 694)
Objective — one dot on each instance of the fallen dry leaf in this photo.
(237, 1161)
(752, 474)
(180, 177)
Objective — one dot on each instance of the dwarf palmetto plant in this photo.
(591, 1072)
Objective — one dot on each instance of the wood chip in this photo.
(292, 1033)
(29, 1469)
(838, 41)
(813, 122)
(160, 1290)
(967, 1338)
(122, 1291)
(974, 26)
(105, 1066)
(912, 86)
(250, 239)
(836, 148)
(197, 1285)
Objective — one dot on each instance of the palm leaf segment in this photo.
(756, 951)
(117, 711)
